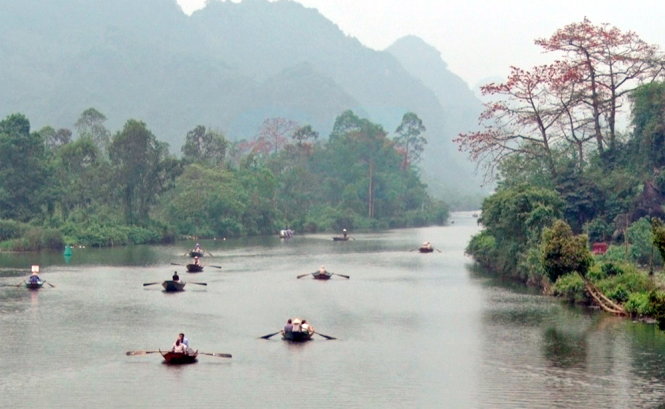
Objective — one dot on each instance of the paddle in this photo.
(324, 336)
(217, 354)
(209, 253)
(303, 275)
(341, 275)
(270, 335)
(11, 285)
(215, 266)
(144, 284)
(194, 282)
(176, 264)
(52, 286)
(133, 353)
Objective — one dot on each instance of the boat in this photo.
(340, 238)
(173, 286)
(286, 234)
(426, 249)
(298, 335)
(178, 358)
(321, 276)
(34, 284)
(196, 253)
(194, 268)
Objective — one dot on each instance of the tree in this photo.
(274, 135)
(55, 139)
(648, 117)
(91, 125)
(612, 64)
(562, 252)
(23, 172)
(143, 169)
(204, 146)
(409, 139)
(565, 104)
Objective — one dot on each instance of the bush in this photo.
(11, 229)
(639, 304)
(571, 287)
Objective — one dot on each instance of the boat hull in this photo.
(340, 238)
(194, 253)
(194, 268)
(426, 249)
(173, 286)
(297, 336)
(321, 276)
(34, 285)
(177, 358)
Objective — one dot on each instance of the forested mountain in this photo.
(229, 66)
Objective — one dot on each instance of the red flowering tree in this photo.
(562, 106)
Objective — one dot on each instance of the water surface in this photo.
(414, 330)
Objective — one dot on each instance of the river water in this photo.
(414, 331)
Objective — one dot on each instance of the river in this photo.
(413, 331)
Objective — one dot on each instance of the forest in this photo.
(570, 182)
(92, 187)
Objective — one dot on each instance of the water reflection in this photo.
(564, 350)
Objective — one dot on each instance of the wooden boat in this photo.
(173, 286)
(322, 276)
(195, 253)
(194, 268)
(298, 336)
(426, 249)
(340, 238)
(34, 285)
(178, 358)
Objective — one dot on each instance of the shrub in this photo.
(571, 287)
(639, 304)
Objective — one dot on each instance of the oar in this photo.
(176, 264)
(11, 285)
(439, 250)
(215, 266)
(133, 353)
(324, 336)
(341, 275)
(194, 282)
(144, 284)
(209, 253)
(270, 335)
(303, 275)
(52, 286)
(217, 354)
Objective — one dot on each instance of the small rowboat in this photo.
(426, 249)
(195, 253)
(34, 285)
(340, 238)
(298, 335)
(194, 268)
(177, 358)
(173, 286)
(322, 276)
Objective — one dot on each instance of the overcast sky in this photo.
(481, 39)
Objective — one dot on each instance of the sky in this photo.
(481, 39)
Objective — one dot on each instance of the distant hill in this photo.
(228, 66)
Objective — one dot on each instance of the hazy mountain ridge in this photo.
(228, 66)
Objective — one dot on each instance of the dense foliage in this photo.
(553, 142)
(104, 189)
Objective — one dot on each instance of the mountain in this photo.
(228, 66)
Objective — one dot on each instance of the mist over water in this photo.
(414, 330)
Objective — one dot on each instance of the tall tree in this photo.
(204, 146)
(23, 173)
(612, 64)
(143, 169)
(91, 125)
(409, 139)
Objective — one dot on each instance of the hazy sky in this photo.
(482, 38)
